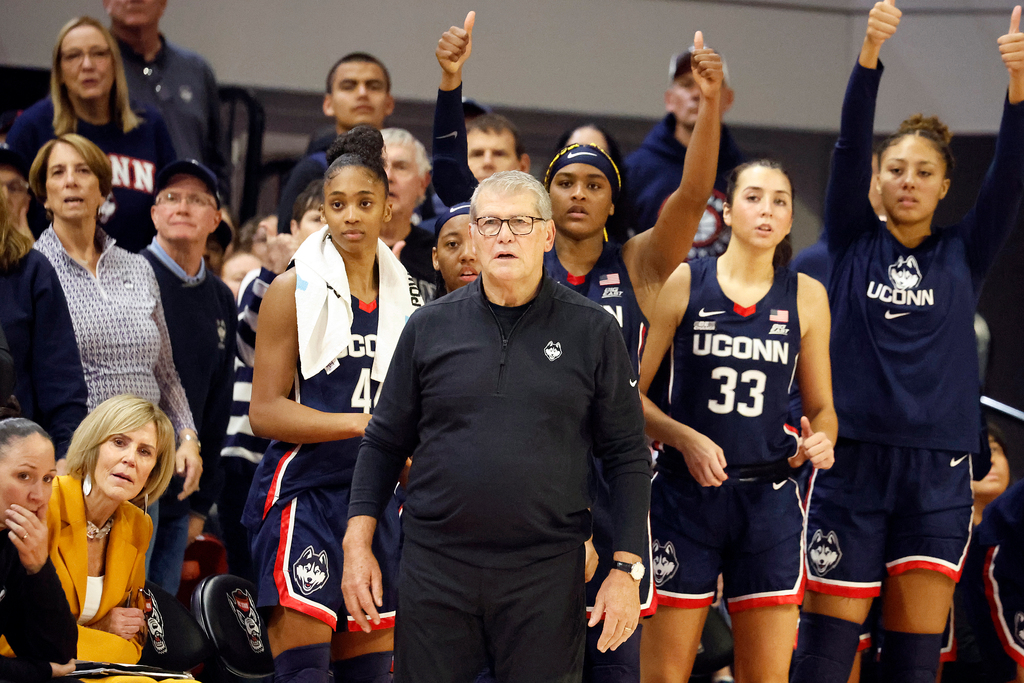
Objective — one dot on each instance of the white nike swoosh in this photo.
(702, 313)
(632, 382)
(453, 134)
(779, 484)
(572, 155)
(889, 315)
(953, 462)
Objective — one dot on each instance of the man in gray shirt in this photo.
(178, 82)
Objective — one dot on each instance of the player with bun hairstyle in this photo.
(328, 329)
(896, 507)
(739, 329)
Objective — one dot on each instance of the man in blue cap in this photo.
(201, 318)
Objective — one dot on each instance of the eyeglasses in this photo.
(16, 186)
(489, 226)
(75, 57)
(196, 201)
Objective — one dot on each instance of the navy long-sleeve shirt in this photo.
(50, 383)
(453, 181)
(500, 427)
(201, 320)
(904, 356)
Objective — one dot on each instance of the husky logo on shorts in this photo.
(248, 618)
(905, 273)
(664, 563)
(553, 351)
(824, 552)
(1018, 627)
(154, 621)
(310, 571)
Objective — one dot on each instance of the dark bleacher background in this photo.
(292, 117)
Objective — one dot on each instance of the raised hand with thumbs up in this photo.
(883, 20)
(1011, 48)
(706, 67)
(814, 446)
(453, 50)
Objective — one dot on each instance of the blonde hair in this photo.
(95, 159)
(13, 244)
(65, 120)
(119, 415)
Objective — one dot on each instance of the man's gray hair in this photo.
(400, 136)
(508, 183)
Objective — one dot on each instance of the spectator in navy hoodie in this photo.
(89, 96)
(49, 382)
(654, 170)
(200, 314)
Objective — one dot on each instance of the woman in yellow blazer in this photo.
(121, 457)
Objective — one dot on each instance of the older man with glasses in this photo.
(201, 319)
(500, 393)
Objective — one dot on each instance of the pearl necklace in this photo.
(95, 533)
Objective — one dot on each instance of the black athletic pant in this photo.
(453, 618)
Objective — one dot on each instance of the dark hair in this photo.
(17, 428)
(308, 199)
(496, 123)
(996, 433)
(362, 146)
(622, 224)
(930, 128)
(784, 249)
(364, 57)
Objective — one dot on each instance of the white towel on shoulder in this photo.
(323, 304)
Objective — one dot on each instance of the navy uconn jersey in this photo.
(343, 387)
(731, 370)
(608, 285)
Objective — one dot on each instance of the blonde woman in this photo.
(89, 96)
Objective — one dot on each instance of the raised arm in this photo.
(819, 425)
(847, 209)
(657, 252)
(453, 181)
(994, 214)
(273, 413)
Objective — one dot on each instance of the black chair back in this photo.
(175, 642)
(225, 607)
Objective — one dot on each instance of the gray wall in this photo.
(789, 60)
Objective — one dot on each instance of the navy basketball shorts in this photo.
(883, 510)
(993, 595)
(298, 561)
(751, 533)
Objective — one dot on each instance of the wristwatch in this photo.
(635, 570)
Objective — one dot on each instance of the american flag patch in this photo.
(609, 279)
(779, 316)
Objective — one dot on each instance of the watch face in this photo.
(637, 572)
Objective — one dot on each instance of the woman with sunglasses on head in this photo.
(896, 508)
(584, 184)
(328, 328)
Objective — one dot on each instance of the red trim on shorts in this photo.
(385, 622)
(755, 601)
(281, 581)
(865, 642)
(859, 591)
(996, 607)
(275, 483)
(682, 603)
(902, 567)
(948, 654)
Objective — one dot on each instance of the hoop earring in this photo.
(87, 485)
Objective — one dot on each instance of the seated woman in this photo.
(89, 96)
(121, 456)
(113, 296)
(34, 616)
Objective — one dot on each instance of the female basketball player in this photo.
(327, 330)
(896, 508)
(739, 329)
